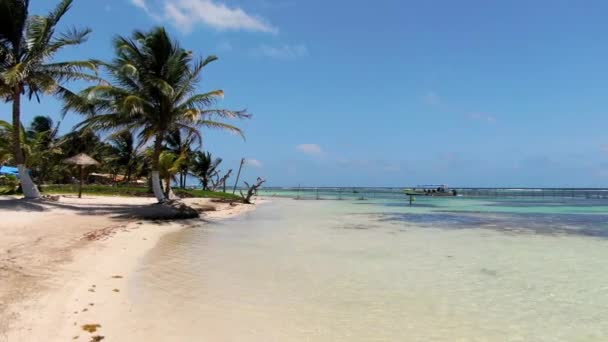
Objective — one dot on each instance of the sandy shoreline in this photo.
(67, 264)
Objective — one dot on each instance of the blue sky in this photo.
(389, 93)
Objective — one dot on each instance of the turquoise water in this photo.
(445, 269)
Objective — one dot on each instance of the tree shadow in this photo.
(21, 205)
(153, 211)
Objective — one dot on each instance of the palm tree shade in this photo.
(81, 160)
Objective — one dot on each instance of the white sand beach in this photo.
(65, 264)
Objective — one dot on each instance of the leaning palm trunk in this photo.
(156, 186)
(27, 185)
(171, 195)
(158, 191)
(168, 190)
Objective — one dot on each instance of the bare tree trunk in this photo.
(252, 190)
(27, 185)
(222, 181)
(156, 186)
(185, 178)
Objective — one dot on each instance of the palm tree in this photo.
(205, 167)
(169, 165)
(27, 44)
(180, 145)
(6, 130)
(38, 145)
(41, 147)
(41, 124)
(126, 153)
(152, 92)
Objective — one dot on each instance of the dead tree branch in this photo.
(252, 190)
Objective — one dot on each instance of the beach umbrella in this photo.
(81, 160)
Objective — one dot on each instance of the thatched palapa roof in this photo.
(81, 159)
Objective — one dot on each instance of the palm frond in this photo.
(74, 102)
(76, 67)
(70, 37)
(197, 137)
(202, 100)
(225, 114)
(59, 11)
(14, 74)
(221, 126)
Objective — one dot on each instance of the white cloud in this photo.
(143, 5)
(310, 149)
(185, 14)
(283, 51)
(482, 117)
(254, 163)
(140, 3)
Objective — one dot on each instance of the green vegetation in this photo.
(152, 91)
(169, 165)
(8, 184)
(205, 167)
(139, 191)
(28, 44)
(148, 107)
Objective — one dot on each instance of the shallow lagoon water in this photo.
(445, 269)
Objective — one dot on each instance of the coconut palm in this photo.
(179, 144)
(41, 147)
(205, 167)
(152, 92)
(27, 46)
(126, 153)
(41, 124)
(169, 165)
(38, 145)
(6, 130)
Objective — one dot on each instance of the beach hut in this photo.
(81, 160)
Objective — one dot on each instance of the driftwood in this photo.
(252, 190)
(220, 182)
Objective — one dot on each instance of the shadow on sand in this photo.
(155, 211)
